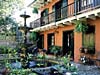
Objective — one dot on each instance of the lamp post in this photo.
(25, 16)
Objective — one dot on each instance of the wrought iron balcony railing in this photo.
(72, 9)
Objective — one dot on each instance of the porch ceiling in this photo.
(44, 28)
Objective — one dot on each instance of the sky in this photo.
(28, 12)
(27, 2)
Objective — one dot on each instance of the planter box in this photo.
(87, 50)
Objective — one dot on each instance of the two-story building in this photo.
(57, 25)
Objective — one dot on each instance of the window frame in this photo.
(88, 34)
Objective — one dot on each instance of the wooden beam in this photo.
(67, 23)
(97, 14)
(92, 16)
(73, 21)
(60, 25)
(83, 18)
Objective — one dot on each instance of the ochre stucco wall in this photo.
(77, 36)
(78, 40)
(97, 37)
(49, 5)
(58, 35)
(97, 33)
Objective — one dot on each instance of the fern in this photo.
(80, 27)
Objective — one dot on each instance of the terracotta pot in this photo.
(82, 49)
(85, 50)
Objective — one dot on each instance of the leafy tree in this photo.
(8, 7)
(8, 22)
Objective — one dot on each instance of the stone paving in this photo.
(88, 70)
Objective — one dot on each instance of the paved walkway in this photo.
(88, 70)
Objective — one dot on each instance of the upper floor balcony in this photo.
(87, 8)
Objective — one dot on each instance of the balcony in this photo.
(69, 13)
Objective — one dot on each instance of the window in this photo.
(45, 12)
(53, 8)
(89, 1)
(51, 40)
(86, 2)
(64, 9)
(64, 3)
(83, 3)
(41, 42)
(57, 9)
(89, 40)
(89, 37)
(44, 15)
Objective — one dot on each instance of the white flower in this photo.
(72, 64)
(68, 73)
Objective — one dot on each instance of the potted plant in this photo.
(55, 49)
(35, 10)
(87, 50)
(80, 26)
(65, 67)
(82, 49)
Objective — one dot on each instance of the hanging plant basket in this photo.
(81, 26)
(35, 10)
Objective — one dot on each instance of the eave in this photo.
(38, 3)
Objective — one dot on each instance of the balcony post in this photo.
(75, 7)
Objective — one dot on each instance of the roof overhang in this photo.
(38, 3)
